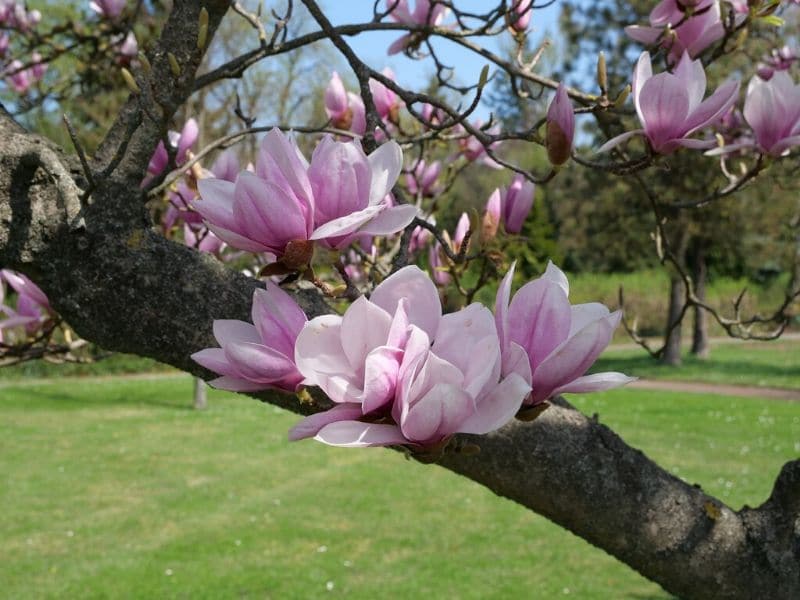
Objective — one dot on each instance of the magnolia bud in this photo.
(560, 127)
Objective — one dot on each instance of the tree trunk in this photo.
(672, 342)
(200, 396)
(700, 347)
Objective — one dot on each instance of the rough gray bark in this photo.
(700, 344)
(672, 344)
(124, 287)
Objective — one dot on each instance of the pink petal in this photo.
(216, 202)
(365, 326)
(355, 434)
(437, 414)
(311, 425)
(498, 407)
(594, 383)
(256, 362)
(385, 164)
(278, 318)
(713, 107)
(380, 377)
(214, 359)
(390, 220)
(424, 307)
(228, 331)
(235, 384)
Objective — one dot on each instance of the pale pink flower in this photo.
(551, 343)
(344, 109)
(260, 355)
(671, 108)
(108, 9)
(422, 179)
(403, 374)
(337, 197)
(181, 143)
(560, 127)
(520, 15)
(425, 13)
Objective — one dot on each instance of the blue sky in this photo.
(371, 47)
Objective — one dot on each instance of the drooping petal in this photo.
(214, 359)
(237, 384)
(597, 382)
(256, 362)
(310, 426)
(713, 107)
(355, 434)
(390, 220)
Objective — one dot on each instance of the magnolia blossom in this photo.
(108, 9)
(403, 374)
(520, 16)
(14, 14)
(344, 109)
(772, 109)
(180, 143)
(422, 178)
(424, 14)
(387, 103)
(780, 59)
(32, 306)
(260, 355)
(21, 78)
(671, 108)
(560, 127)
(551, 343)
(125, 46)
(510, 205)
(472, 148)
(337, 197)
(700, 26)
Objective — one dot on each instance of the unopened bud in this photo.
(623, 96)
(202, 29)
(145, 62)
(560, 128)
(130, 81)
(173, 64)
(602, 75)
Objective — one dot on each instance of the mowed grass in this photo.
(116, 489)
(764, 364)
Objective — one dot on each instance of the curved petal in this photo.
(385, 163)
(216, 202)
(364, 327)
(266, 213)
(236, 384)
(711, 109)
(345, 225)
(277, 317)
(594, 383)
(664, 105)
(539, 319)
(515, 360)
(573, 357)
(424, 308)
(311, 425)
(213, 359)
(498, 407)
(355, 434)
(693, 77)
(238, 241)
(318, 350)
(256, 362)
(642, 72)
(557, 276)
(228, 331)
(467, 339)
(583, 314)
(380, 378)
(501, 306)
(437, 414)
(617, 140)
(390, 220)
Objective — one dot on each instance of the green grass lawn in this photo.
(117, 489)
(765, 364)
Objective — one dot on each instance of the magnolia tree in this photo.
(313, 275)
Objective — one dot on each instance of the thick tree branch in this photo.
(121, 285)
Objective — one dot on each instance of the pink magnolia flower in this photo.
(438, 266)
(671, 108)
(772, 109)
(422, 179)
(515, 202)
(424, 14)
(126, 47)
(472, 148)
(20, 78)
(180, 142)
(520, 16)
(560, 127)
(550, 342)
(699, 28)
(108, 9)
(387, 103)
(339, 196)
(257, 356)
(780, 59)
(344, 109)
(401, 373)
(32, 306)
(202, 239)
